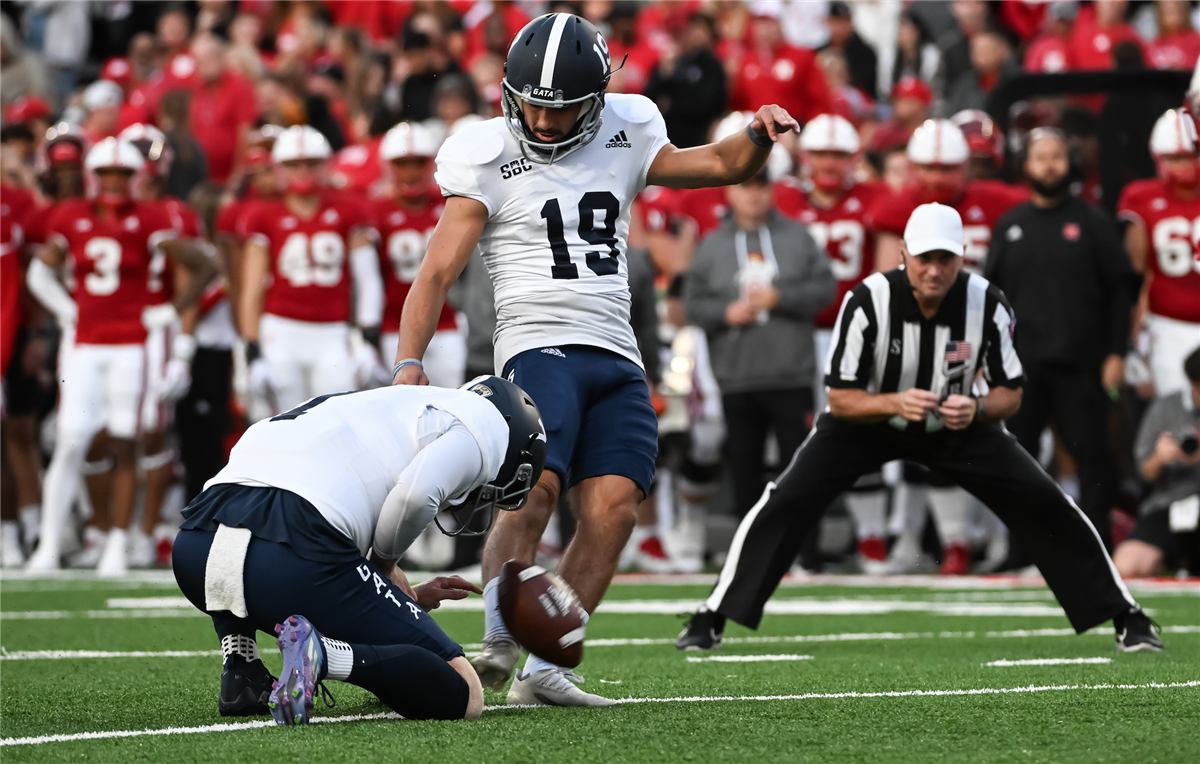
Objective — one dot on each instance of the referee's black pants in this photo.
(1074, 400)
(984, 459)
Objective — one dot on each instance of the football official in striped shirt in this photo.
(908, 345)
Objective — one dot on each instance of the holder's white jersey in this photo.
(555, 240)
(345, 452)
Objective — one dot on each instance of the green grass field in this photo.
(857, 670)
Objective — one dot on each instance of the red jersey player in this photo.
(109, 240)
(938, 154)
(296, 286)
(170, 344)
(405, 220)
(835, 211)
(1162, 236)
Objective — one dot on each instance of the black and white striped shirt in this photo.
(882, 343)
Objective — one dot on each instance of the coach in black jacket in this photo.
(907, 346)
(1061, 263)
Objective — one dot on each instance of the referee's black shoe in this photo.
(1137, 633)
(704, 631)
(245, 687)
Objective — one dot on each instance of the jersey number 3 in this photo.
(600, 263)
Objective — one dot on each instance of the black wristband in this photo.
(253, 351)
(762, 141)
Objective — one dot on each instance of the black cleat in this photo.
(245, 687)
(703, 632)
(1137, 633)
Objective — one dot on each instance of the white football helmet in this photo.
(408, 139)
(152, 144)
(779, 164)
(300, 142)
(1174, 133)
(938, 141)
(112, 153)
(829, 132)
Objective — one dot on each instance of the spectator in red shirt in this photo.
(1098, 29)
(1051, 51)
(911, 98)
(623, 40)
(774, 72)
(223, 108)
(1177, 45)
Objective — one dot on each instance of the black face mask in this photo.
(1051, 190)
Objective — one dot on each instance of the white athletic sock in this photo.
(949, 507)
(534, 664)
(869, 511)
(339, 659)
(493, 623)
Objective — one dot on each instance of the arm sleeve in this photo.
(368, 286)
(812, 292)
(45, 286)
(443, 471)
(705, 306)
(852, 360)
(1001, 364)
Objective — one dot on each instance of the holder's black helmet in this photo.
(523, 461)
(557, 60)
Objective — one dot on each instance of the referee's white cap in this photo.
(932, 227)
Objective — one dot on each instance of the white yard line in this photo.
(1048, 661)
(694, 699)
(41, 655)
(473, 648)
(748, 658)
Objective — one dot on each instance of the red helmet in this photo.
(25, 109)
(984, 138)
(118, 70)
(65, 143)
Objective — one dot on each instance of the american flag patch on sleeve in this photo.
(958, 351)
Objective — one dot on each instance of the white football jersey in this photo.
(344, 452)
(554, 242)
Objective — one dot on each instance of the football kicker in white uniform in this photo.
(282, 536)
(545, 193)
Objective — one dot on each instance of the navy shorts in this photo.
(596, 408)
(345, 597)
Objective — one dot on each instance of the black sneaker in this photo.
(703, 632)
(245, 687)
(1137, 633)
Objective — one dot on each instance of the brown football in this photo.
(542, 613)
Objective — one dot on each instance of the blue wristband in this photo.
(406, 362)
(762, 141)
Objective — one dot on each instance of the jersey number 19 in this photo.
(602, 264)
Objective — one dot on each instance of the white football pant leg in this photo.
(156, 410)
(331, 366)
(1171, 342)
(950, 508)
(869, 510)
(282, 342)
(446, 358)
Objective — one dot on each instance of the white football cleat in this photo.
(552, 687)
(495, 662)
(43, 560)
(114, 562)
(11, 554)
(142, 551)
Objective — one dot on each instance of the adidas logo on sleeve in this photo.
(618, 141)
